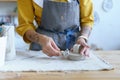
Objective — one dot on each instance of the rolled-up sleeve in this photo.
(86, 13)
(25, 17)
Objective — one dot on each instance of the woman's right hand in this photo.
(49, 47)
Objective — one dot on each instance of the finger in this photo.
(87, 52)
(55, 46)
(85, 44)
(45, 51)
(82, 50)
(50, 51)
(53, 51)
(71, 49)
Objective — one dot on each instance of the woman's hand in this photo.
(84, 47)
(49, 47)
(82, 40)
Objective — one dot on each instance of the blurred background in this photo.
(106, 31)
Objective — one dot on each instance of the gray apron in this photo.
(60, 21)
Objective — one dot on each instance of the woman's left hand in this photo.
(84, 47)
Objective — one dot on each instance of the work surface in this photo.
(113, 57)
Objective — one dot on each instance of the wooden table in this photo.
(113, 57)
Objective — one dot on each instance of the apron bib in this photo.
(60, 20)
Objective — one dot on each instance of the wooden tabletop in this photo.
(113, 57)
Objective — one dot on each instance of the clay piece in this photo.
(73, 55)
